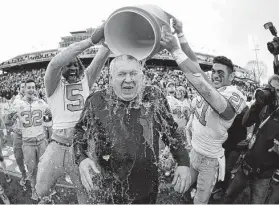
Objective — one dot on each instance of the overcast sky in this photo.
(213, 26)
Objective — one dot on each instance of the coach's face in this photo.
(127, 79)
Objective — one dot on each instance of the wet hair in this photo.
(273, 77)
(224, 61)
(124, 58)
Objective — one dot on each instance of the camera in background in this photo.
(272, 46)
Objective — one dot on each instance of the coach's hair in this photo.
(125, 58)
(273, 77)
(29, 81)
(224, 61)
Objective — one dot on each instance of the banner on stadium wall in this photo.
(89, 53)
(29, 58)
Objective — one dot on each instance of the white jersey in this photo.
(16, 103)
(67, 102)
(31, 118)
(178, 108)
(17, 97)
(210, 129)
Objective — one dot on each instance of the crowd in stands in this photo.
(156, 75)
(9, 83)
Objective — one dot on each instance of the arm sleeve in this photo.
(80, 143)
(54, 69)
(94, 69)
(172, 138)
(236, 102)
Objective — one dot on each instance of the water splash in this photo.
(109, 124)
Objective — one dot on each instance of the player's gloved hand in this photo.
(98, 34)
(84, 167)
(169, 42)
(177, 26)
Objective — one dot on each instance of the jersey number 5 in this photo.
(201, 116)
(33, 118)
(74, 97)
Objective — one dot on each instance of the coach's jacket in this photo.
(123, 139)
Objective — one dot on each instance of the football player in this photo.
(17, 138)
(3, 133)
(216, 107)
(68, 85)
(30, 112)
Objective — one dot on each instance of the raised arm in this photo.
(178, 27)
(94, 69)
(54, 69)
(196, 77)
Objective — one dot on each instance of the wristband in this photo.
(182, 40)
(179, 56)
(180, 35)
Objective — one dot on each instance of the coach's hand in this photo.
(98, 34)
(84, 167)
(181, 179)
(169, 42)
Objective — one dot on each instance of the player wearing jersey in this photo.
(17, 138)
(20, 95)
(67, 87)
(3, 133)
(30, 111)
(215, 110)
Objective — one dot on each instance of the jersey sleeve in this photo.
(235, 98)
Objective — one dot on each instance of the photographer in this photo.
(276, 64)
(259, 166)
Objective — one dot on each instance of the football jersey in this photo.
(209, 128)
(17, 100)
(30, 118)
(177, 108)
(67, 102)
